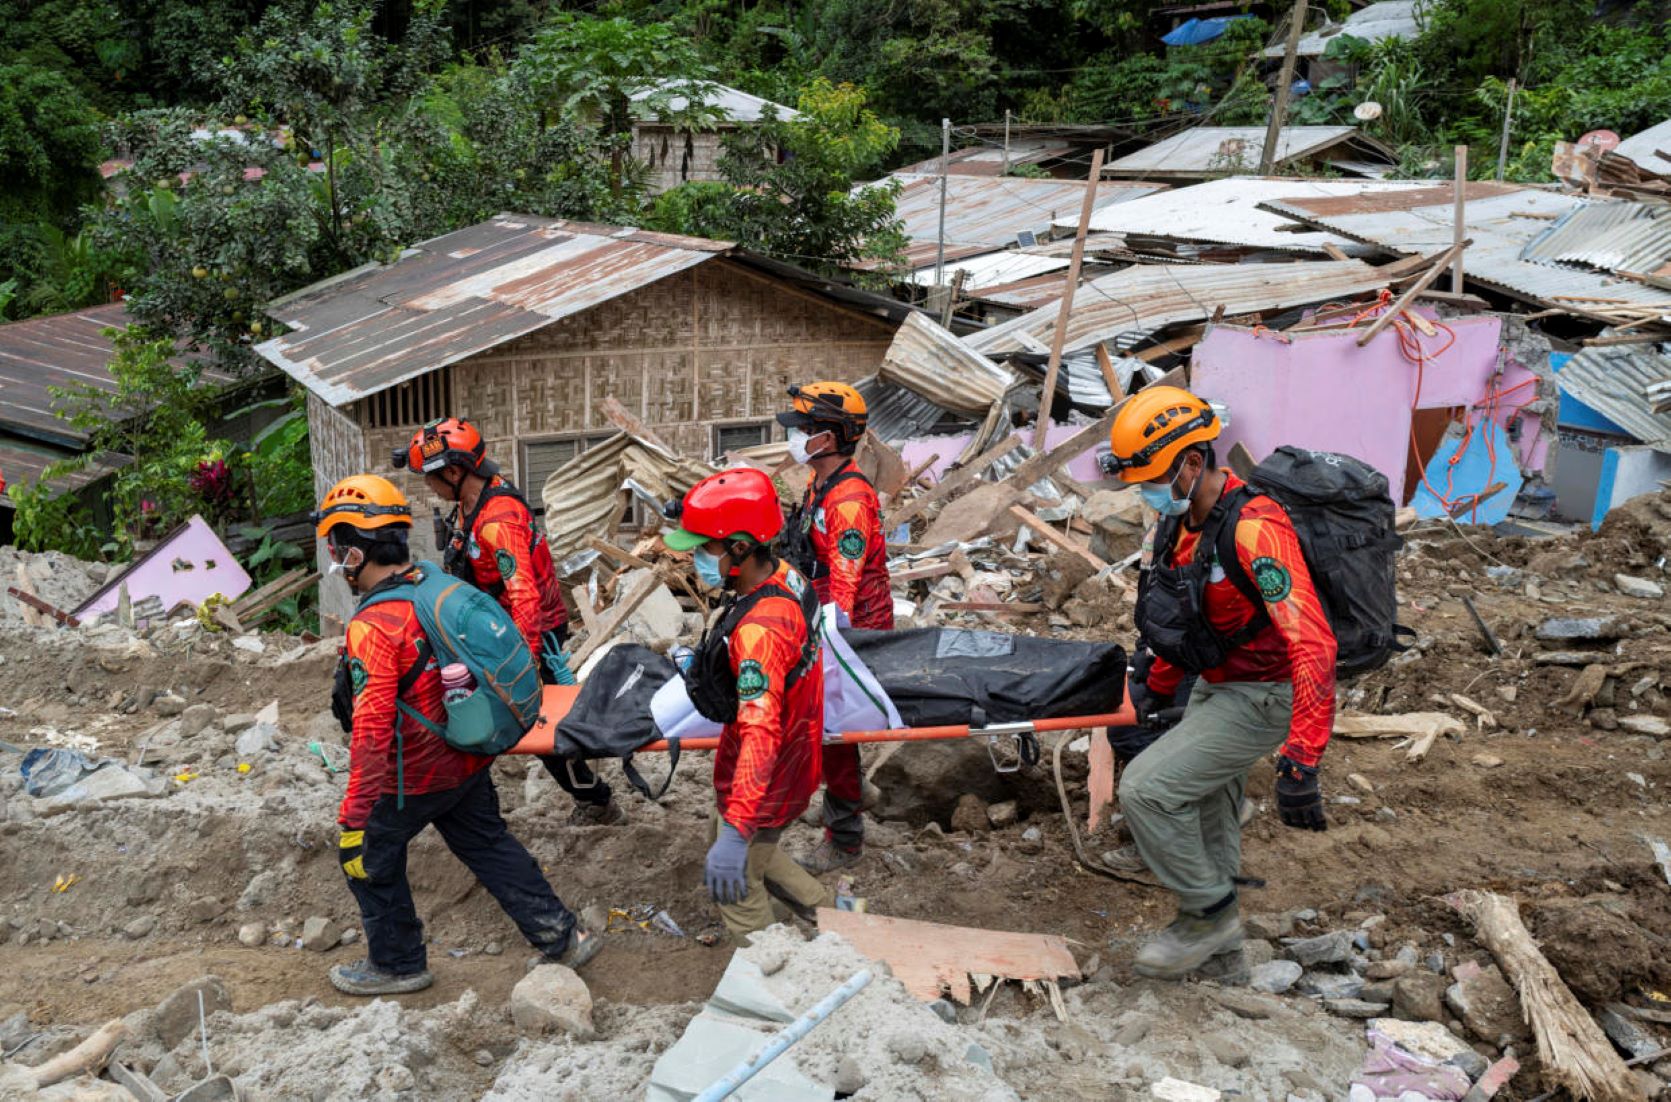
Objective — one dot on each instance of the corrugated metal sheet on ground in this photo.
(1617, 237)
(1500, 218)
(993, 269)
(989, 211)
(1614, 382)
(1644, 149)
(1207, 149)
(583, 496)
(924, 357)
(1147, 297)
(895, 413)
(463, 293)
(1227, 212)
(1386, 19)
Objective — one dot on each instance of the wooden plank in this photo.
(1186, 339)
(34, 602)
(618, 416)
(31, 614)
(619, 554)
(1059, 335)
(254, 598)
(613, 620)
(1440, 264)
(917, 574)
(931, 958)
(1335, 251)
(1105, 364)
(951, 483)
(258, 613)
(916, 472)
(1055, 538)
(1241, 461)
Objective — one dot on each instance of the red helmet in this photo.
(740, 502)
(446, 442)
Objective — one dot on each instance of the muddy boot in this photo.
(829, 857)
(1188, 943)
(583, 946)
(598, 815)
(364, 978)
(1125, 859)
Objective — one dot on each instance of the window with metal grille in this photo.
(412, 403)
(541, 457)
(729, 438)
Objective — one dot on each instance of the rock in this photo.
(1257, 951)
(1646, 725)
(1330, 985)
(1354, 1008)
(260, 889)
(849, 1076)
(552, 999)
(169, 704)
(175, 1018)
(139, 927)
(1246, 1004)
(1275, 977)
(659, 621)
(195, 719)
(493, 949)
(1428, 1040)
(1002, 814)
(1116, 520)
(205, 908)
(1361, 783)
(252, 934)
(929, 784)
(1330, 948)
(1225, 1050)
(1380, 991)
(147, 889)
(1132, 1030)
(1419, 997)
(1268, 927)
(395, 1078)
(1063, 573)
(255, 741)
(1388, 969)
(1625, 1031)
(946, 1009)
(320, 934)
(970, 813)
(1488, 1006)
(1590, 629)
(1632, 586)
(112, 781)
(1487, 761)
(1032, 841)
(907, 1047)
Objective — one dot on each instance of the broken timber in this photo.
(951, 483)
(616, 616)
(1055, 538)
(1440, 264)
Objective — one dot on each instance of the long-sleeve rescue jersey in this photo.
(768, 763)
(1298, 646)
(847, 537)
(382, 646)
(507, 556)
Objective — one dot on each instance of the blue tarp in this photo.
(1197, 31)
(1488, 458)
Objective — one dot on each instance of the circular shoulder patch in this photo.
(506, 562)
(851, 544)
(751, 680)
(357, 675)
(1272, 578)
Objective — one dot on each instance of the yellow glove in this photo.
(351, 853)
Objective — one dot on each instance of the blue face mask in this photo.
(1161, 500)
(707, 568)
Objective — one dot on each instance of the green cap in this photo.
(681, 540)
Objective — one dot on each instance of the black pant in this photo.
(585, 786)
(468, 820)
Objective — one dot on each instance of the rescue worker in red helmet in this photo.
(1255, 632)
(402, 777)
(757, 671)
(835, 538)
(492, 541)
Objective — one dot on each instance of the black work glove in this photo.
(1298, 799)
(342, 695)
(1148, 704)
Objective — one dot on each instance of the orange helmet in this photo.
(737, 502)
(827, 407)
(445, 442)
(1153, 428)
(367, 502)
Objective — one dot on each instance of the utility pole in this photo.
(945, 157)
(1508, 122)
(1006, 171)
(1279, 108)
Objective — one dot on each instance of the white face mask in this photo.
(798, 446)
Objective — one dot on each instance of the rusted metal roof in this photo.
(1617, 237)
(1204, 150)
(1144, 298)
(1501, 219)
(58, 350)
(1614, 381)
(988, 160)
(927, 359)
(24, 461)
(454, 296)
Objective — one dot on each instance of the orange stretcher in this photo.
(560, 698)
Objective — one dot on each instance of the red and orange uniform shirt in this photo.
(1299, 646)
(768, 763)
(511, 560)
(847, 536)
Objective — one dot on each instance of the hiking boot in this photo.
(364, 978)
(581, 950)
(829, 857)
(1188, 943)
(1125, 859)
(598, 815)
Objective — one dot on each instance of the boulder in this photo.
(552, 999)
(1638, 587)
(175, 1018)
(1001, 814)
(1331, 948)
(1275, 977)
(970, 813)
(195, 719)
(1419, 997)
(1488, 1006)
(1117, 523)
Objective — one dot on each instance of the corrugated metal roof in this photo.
(1614, 381)
(1644, 149)
(927, 359)
(24, 462)
(460, 294)
(582, 497)
(59, 350)
(1146, 297)
(1500, 218)
(1386, 19)
(988, 160)
(984, 213)
(895, 413)
(1207, 149)
(733, 103)
(1616, 237)
(993, 269)
(1227, 212)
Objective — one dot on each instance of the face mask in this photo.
(798, 446)
(707, 568)
(1162, 500)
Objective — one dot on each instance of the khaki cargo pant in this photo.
(1182, 796)
(768, 865)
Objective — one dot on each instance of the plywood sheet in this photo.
(932, 959)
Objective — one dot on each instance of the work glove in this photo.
(351, 853)
(1298, 799)
(724, 873)
(1149, 705)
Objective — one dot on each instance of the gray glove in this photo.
(724, 872)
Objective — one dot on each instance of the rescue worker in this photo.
(493, 542)
(402, 776)
(835, 539)
(758, 671)
(1256, 633)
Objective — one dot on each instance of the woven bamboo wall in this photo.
(338, 450)
(663, 150)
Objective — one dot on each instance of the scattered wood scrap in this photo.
(617, 615)
(30, 601)
(932, 959)
(1055, 538)
(952, 483)
(1423, 728)
(252, 608)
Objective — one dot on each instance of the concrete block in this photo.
(743, 991)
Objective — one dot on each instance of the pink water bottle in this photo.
(456, 683)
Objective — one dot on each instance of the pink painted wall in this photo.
(1082, 467)
(192, 565)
